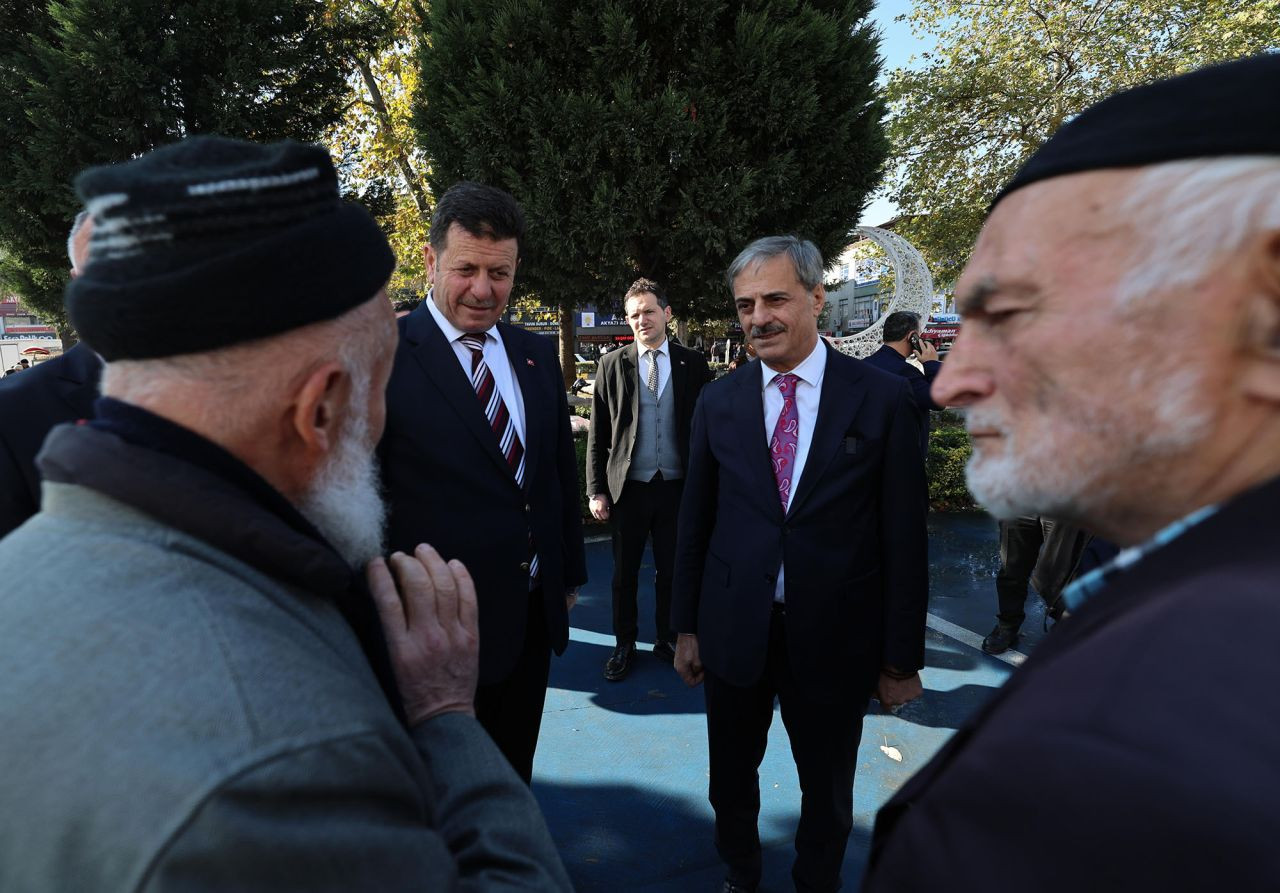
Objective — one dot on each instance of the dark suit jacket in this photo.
(60, 390)
(615, 406)
(1135, 750)
(890, 360)
(854, 539)
(448, 485)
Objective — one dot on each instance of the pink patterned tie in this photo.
(786, 435)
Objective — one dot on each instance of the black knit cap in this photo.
(1227, 109)
(211, 242)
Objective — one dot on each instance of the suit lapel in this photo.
(837, 405)
(748, 418)
(627, 365)
(525, 370)
(434, 354)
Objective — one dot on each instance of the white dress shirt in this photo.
(495, 357)
(808, 395)
(663, 354)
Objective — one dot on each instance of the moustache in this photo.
(771, 329)
(983, 420)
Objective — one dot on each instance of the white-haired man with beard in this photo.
(1120, 362)
(212, 705)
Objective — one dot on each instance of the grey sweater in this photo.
(173, 719)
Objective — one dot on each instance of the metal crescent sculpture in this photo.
(912, 290)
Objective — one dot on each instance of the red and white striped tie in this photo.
(500, 420)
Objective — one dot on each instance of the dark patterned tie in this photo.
(652, 383)
(786, 437)
(500, 420)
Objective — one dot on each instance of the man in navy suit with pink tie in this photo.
(801, 565)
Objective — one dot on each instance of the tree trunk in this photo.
(402, 159)
(68, 336)
(682, 332)
(568, 339)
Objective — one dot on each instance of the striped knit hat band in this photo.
(212, 242)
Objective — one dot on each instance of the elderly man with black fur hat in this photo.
(213, 704)
(1120, 365)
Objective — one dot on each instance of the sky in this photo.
(897, 46)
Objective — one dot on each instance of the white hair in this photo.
(230, 389)
(1190, 215)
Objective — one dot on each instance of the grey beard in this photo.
(344, 501)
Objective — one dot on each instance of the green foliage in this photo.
(86, 82)
(1005, 76)
(655, 137)
(373, 141)
(949, 451)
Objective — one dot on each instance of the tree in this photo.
(654, 137)
(86, 82)
(375, 146)
(1006, 75)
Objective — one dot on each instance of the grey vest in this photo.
(655, 448)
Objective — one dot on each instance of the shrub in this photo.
(949, 451)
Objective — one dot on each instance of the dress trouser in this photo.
(511, 710)
(1020, 542)
(644, 508)
(824, 740)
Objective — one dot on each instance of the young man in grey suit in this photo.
(637, 446)
(212, 704)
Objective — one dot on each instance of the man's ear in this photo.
(318, 408)
(666, 313)
(429, 258)
(1261, 338)
(819, 299)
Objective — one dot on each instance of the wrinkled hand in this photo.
(429, 615)
(893, 693)
(599, 505)
(687, 663)
(571, 598)
(927, 351)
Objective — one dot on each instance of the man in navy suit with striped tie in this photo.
(478, 458)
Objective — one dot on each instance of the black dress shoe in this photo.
(665, 651)
(1001, 639)
(619, 663)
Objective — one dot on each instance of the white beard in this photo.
(344, 501)
(1081, 460)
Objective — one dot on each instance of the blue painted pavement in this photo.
(621, 770)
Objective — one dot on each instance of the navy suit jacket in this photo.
(1135, 750)
(854, 538)
(31, 403)
(890, 360)
(448, 485)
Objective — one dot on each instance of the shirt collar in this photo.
(810, 370)
(452, 332)
(661, 348)
(1085, 588)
